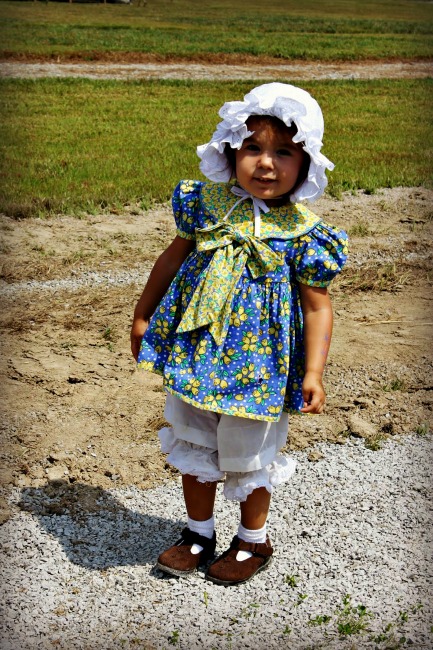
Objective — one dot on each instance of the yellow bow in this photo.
(211, 303)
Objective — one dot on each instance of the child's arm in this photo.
(317, 310)
(163, 272)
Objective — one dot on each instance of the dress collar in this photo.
(221, 202)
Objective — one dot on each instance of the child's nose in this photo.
(266, 160)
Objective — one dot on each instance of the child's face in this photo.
(268, 164)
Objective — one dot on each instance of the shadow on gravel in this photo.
(96, 530)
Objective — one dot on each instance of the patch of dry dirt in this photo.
(217, 68)
(74, 408)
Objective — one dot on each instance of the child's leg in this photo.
(199, 497)
(254, 511)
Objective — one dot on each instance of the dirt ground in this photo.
(75, 409)
(217, 67)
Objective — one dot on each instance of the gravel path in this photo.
(293, 71)
(357, 522)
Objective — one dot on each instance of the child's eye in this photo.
(252, 147)
(284, 152)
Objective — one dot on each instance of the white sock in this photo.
(204, 528)
(257, 536)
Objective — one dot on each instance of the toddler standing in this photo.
(237, 319)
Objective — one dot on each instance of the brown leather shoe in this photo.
(178, 559)
(227, 570)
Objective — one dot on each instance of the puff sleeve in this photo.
(321, 254)
(186, 202)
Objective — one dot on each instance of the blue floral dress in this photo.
(228, 335)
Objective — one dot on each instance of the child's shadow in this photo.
(96, 530)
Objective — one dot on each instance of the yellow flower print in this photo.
(245, 375)
(311, 252)
(264, 373)
(238, 317)
(239, 397)
(285, 308)
(229, 356)
(200, 351)
(261, 394)
(283, 363)
(279, 346)
(178, 354)
(249, 342)
(186, 187)
(158, 348)
(213, 400)
(193, 386)
(274, 330)
(162, 309)
(274, 410)
(161, 328)
(169, 379)
(220, 382)
(264, 348)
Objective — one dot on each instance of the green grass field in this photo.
(70, 145)
(167, 29)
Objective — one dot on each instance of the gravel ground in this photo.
(78, 562)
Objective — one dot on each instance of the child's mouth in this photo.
(265, 181)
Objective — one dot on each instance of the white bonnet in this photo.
(291, 105)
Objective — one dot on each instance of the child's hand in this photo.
(138, 330)
(313, 393)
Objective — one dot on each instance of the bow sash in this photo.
(211, 303)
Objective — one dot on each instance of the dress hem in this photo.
(149, 366)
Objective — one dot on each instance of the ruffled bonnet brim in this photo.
(289, 104)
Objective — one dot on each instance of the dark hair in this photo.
(278, 124)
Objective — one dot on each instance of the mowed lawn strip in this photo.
(164, 29)
(71, 145)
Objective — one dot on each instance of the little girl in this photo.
(236, 318)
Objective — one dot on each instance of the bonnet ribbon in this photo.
(258, 204)
(211, 302)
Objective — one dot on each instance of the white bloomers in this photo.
(243, 453)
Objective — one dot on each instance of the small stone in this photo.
(57, 473)
(361, 428)
(6, 476)
(58, 457)
(315, 456)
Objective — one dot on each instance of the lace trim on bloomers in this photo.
(190, 458)
(202, 463)
(238, 486)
